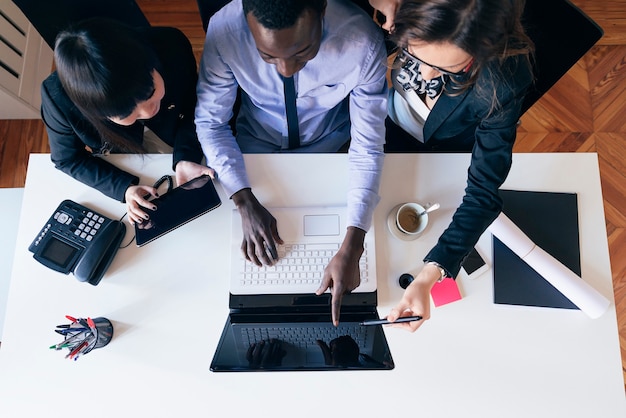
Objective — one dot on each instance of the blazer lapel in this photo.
(444, 107)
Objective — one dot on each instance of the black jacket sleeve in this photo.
(494, 136)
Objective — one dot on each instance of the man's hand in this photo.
(389, 9)
(186, 171)
(136, 196)
(260, 234)
(416, 299)
(342, 274)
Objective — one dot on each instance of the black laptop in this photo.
(177, 207)
(295, 333)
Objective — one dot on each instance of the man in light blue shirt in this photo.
(335, 55)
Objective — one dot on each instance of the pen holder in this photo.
(81, 336)
(105, 331)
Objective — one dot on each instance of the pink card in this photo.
(445, 292)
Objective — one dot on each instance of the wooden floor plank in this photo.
(21, 137)
(610, 15)
(608, 90)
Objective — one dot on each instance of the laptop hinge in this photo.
(303, 301)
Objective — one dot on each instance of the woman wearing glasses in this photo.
(117, 89)
(459, 78)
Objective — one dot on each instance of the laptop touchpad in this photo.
(316, 225)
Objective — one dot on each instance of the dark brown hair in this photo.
(488, 30)
(106, 69)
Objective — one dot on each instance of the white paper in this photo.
(579, 292)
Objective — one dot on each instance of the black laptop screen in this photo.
(300, 343)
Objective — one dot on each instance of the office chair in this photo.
(562, 34)
(50, 17)
(208, 8)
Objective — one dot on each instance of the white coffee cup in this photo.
(409, 221)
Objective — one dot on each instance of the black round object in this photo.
(405, 280)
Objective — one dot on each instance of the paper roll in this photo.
(579, 292)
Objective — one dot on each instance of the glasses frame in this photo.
(461, 73)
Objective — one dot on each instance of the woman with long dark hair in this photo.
(120, 89)
(460, 74)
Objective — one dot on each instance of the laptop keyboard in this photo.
(299, 269)
(302, 335)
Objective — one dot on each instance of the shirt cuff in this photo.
(361, 205)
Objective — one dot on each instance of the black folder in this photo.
(550, 220)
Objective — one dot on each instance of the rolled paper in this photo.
(511, 236)
(578, 291)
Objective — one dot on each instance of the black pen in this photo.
(66, 331)
(385, 321)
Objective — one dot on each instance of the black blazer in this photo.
(69, 131)
(466, 122)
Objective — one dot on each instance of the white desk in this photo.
(10, 207)
(169, 301)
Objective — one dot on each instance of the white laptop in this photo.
(311, 235)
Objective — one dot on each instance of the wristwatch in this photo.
(442, 271)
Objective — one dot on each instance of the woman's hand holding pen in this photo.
(416, 299)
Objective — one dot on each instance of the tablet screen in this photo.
(177, 207)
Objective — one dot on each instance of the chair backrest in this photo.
(562, 34)
(208, 8)
(50, 17)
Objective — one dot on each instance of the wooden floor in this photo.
(584, 112)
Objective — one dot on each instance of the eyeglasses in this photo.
(405, 58)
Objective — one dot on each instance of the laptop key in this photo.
(299, 265)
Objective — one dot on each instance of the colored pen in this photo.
(397, 321)
(58, 346)
(85, 349)
(76, 350)
(70, 330)
(92, 325)
(71, 339)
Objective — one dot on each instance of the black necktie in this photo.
(292, 112)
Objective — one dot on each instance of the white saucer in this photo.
(393, 228)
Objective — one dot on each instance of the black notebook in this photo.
(550, 220)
